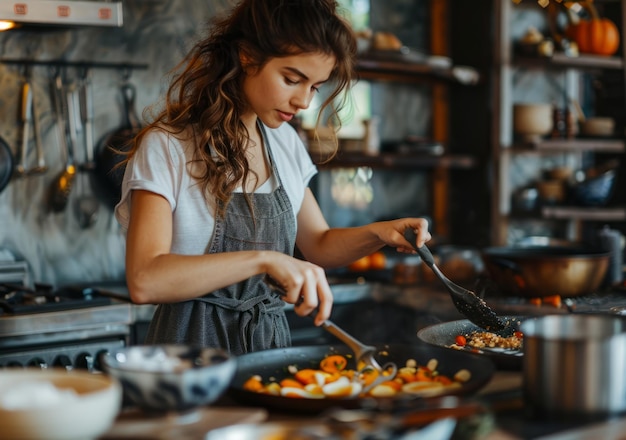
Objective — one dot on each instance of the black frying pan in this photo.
(108, 171)
(444, 335)
(6, 164)
(273, 364)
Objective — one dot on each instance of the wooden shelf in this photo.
(569, 213)
(398, 161)
(569, 146)
(561, 61)
(586, 213)
(380, 69)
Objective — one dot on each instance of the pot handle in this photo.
(518, 276)
(506, 264)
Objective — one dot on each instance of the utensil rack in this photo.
(78, 64)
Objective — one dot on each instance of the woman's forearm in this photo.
(172, 277)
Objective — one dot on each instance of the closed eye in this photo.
(291, 82)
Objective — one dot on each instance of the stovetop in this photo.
(20, 300)
(605, 301)
(26, 312)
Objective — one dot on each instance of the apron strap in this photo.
(265, 303)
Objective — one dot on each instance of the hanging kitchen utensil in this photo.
(108, 169)
(59, 191)
(30, 123)
(86, 205)
(26, 119)
(6, 164)
(466, 301)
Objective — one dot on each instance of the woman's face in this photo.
(283, 86)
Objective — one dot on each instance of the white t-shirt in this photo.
(160, 166)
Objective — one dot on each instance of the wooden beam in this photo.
(439, 45)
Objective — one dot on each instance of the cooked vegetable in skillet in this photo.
(275, 364)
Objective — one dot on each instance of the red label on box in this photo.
(20, 9)
(63, 11)
(104, 13)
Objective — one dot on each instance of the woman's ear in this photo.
(244, 59)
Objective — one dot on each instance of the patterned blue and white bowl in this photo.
(164, 378)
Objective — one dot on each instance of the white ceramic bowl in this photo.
(57, 404)
(532, 121)
(164, 378)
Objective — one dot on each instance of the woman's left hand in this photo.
(392, 233)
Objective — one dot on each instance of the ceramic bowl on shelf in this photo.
(597, 126)
(532, 121)
(170, 378)
(551, 192)
(57, 404)
(595, 191)
(322, 142)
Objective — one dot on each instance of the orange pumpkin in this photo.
(598, 36)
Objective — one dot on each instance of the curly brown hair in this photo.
(206, 93)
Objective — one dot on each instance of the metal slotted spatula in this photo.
(363, 353)
(466, 301)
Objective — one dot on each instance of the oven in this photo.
(68, 328)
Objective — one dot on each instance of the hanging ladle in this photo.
(59, 191)
(466, 301)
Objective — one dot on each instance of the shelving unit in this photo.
(379, 68)
(505, 148)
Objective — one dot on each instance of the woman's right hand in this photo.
(305, 286)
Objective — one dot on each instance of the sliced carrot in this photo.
(394, 384)
(368, 376)
(291, 383)
(553, 300)
(406, 376)
(348, 373)
(423, 375)
(333, 363)
(253, 384)
(306, 376)
(443, 379)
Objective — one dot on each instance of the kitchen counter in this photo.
(506, 419)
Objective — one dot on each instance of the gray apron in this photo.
(246, 316)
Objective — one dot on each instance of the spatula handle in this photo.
(423, 251)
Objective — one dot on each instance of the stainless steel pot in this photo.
(573, 365)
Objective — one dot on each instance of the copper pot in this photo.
(537, 271)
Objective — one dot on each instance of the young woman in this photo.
(215, 190)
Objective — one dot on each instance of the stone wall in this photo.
(155, 34)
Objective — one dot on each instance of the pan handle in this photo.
(6, 164)
(131, 120)
(517, 274)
